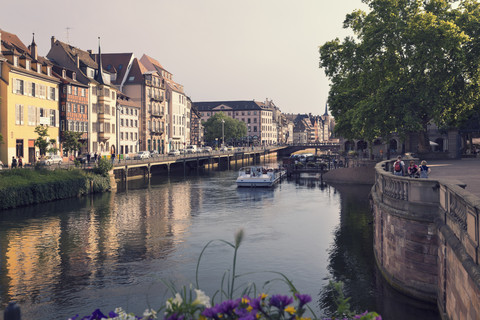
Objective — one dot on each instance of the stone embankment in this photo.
(427, 237)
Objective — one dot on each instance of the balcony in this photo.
(157, 113)
(156, 132)
(157, 98)
(103, 136)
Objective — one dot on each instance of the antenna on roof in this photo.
(68, 34)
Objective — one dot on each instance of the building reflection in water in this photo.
(51, 248)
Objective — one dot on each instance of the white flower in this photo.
(150, 314)
(202, 298)
(175, 301)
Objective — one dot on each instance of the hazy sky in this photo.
(217, 49)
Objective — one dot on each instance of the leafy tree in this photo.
(406, 66)
(71, 141)
(45, 145)
(233, 129)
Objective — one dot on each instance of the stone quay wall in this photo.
(426, 240)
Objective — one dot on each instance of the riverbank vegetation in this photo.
(21, 187)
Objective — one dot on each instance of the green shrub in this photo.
(103, 167)
(20, 187)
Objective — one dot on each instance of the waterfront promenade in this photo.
(465, 170)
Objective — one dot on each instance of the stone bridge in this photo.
(426, 240)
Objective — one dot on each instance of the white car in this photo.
(174, 153)
(142, 155)
(52, 159)
(207, 149)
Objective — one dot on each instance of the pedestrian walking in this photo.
(398, 166)
(424, 169)
(95, 156)
(88, 157)
(20, 162)
(14, 162)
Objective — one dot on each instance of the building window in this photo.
(255, 129)
(18, 86)
(75, 91)
(52, 93)
(27, 65)
(52, 118)
(83, 92)
(19, 114)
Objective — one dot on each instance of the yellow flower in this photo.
(298, 318)
(245, 300)
(249, 308)
(202, 318)
(290, 309)
(263, 296)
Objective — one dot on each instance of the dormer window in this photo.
(49, 71)
(15, 61)
(74, 76)
(27, 64)
(39, 68)
(64, 73)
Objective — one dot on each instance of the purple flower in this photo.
(228, 306)
(280, 301)
(303, 299)
(175, 316)
(256, 303)
(211, 312)
(112, 314)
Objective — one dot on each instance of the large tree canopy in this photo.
(410, 62)
(233, 129)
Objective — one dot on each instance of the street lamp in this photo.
(223, 132)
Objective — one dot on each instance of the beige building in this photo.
(102, 93)
(178, 114)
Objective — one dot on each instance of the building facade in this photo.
(29, 96)
(102, 94)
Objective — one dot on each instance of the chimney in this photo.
(52, 41)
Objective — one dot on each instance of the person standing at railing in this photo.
(413, 170)
(398, 166)
(424, 169)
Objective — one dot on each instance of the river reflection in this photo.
(110, 250)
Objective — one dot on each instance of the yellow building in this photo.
(28, 98)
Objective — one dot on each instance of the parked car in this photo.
(52, 159)
(174, 153)
(230, 148)
(191, 149)
(142, 155)
(207, 149)
(154, 154)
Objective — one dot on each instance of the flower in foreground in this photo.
(202, 299)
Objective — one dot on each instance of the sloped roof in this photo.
(146, 60)
(136, 71)
(10, 41)
(235, 105)
(84, 56)
(116, 63)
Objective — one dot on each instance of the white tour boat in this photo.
(257, 176)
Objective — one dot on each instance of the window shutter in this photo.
(57, 118)
(37, 116)
(14, 84)
(56, 94)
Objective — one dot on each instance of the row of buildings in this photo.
(119, 104)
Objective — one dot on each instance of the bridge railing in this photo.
(448, 200)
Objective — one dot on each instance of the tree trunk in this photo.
(423, 142)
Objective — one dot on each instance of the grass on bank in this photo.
(20, 187)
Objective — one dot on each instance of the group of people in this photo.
(17, 163)
(413, 171)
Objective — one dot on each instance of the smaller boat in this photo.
(258, 176)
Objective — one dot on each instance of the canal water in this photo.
(71, 257)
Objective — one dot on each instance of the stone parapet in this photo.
(426, 240)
